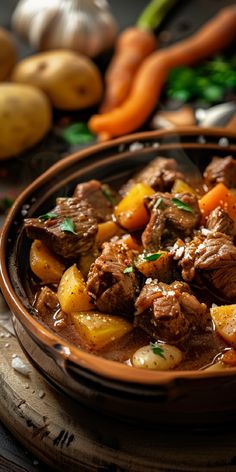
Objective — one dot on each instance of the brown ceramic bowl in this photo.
(194, 397)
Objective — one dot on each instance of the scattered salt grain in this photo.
(13, 356)
(223, 142)
(205, 231)
(156, 145)
(201, 139)
(26, 386)
(7, 345)
(41, 394)
(20, 366)
(135, 146)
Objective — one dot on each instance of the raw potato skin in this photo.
(25, 117)
(8, 54)
(70, 80)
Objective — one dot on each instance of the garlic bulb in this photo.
(86, 26)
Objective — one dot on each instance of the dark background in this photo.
(185, 17)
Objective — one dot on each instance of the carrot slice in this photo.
(221, 196)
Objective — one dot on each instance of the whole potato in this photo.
(8, 54)
(25, 117)
(70, 80)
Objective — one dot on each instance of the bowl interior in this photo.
(112, 163)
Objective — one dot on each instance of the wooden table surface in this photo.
(13, 457)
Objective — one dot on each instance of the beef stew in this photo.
(146, 275)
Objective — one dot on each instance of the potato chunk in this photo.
(131, 212)
(45, 264)
(224, 318)
(160, 268)
(72, 292)
(166, 358)
(98, 329)
(181, 187)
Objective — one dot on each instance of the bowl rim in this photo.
(99, 366)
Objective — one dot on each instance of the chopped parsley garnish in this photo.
(127, 270)
(78, 133)
(107, 193)
(152, 257)
(48, 216)
(157, 349)
(181, 205)
(68, 226)
(158, 202)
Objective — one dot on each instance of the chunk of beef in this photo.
(214, 258)
(168, 220)
(95, 193)
(168, 312)
(160, 174)
(48, 307)
(112, 290)
(47, 302)
(220, 221)
(221, 170)
(65, 243)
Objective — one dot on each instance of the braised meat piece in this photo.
(99, 196)
(70, 232)
(160, 174)
(111, 289)
(168, 312)
(214, 258)
(168, 219)
(47, 302)
(220, 221)
(221, 170)
(48, 307)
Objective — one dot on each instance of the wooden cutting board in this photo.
(65, 434)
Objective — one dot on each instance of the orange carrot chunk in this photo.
(221, 196)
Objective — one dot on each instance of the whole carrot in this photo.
(133, 46)
(215, 35)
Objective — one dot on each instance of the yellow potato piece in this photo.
(224, 318)
(181, 187)
(70, 80)
(106, 231)
(98, 329)
(25, 117)
(72, 292)
(131, 212)
(45, 264)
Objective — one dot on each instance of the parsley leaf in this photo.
(77, 133)
(157, 349)
(127, 270)
(152, 257)
(68, 226)
(48, 216)
(181, 205)
(158, 202)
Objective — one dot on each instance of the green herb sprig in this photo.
(158, 203)
(68, 226)
(181, 205)
(152, 257)
(48, 216)
(157, 349)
